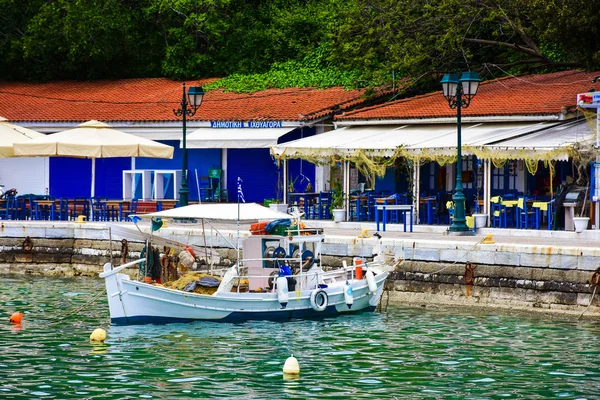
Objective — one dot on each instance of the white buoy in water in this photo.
(291, 366)
(282, 291)
(348, 296)
(99, 335)
(371, 281)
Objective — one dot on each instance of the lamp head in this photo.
(195, 95)
(470, 84)
(449, 83)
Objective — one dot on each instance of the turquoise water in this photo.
(406, 353)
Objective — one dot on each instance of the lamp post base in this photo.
(468, 232)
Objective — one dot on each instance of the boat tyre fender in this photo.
(319, 300)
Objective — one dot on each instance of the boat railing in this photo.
(120, 268)
(346, 273)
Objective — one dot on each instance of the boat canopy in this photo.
(221, 211)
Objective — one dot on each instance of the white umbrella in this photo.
(93, 139)
(11, 134)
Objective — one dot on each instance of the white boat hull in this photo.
(133, 302)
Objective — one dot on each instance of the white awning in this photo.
(383, 140)
(235, 138)
(557, 137)
(221, 212)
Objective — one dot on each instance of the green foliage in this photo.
(262, 44)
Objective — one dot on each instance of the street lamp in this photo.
(193, 100)
(459, 96)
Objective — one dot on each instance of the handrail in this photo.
(120, 268)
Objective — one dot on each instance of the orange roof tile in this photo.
(153, 100)
(543, 94)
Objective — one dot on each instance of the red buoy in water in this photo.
(16, 318)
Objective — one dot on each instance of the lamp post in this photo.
(193, 100)
(459, 96)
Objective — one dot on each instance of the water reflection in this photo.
(408, 353)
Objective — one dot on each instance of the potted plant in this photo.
(338, 199)
(581, 222)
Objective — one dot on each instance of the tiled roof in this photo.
(544, 94)
(153, 100)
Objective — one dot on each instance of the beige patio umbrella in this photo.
(11, 134)
(93, 139)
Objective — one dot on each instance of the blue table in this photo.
(401, 208)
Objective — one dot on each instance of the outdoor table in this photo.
(165, 204)
(42, 205)
(307, 196)
(361, 201)
(401, 208)
(541, 206)
(111, 207)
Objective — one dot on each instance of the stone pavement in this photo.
(586, 239)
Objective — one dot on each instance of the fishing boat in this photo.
(279, 277)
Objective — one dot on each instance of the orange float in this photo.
(16, 318)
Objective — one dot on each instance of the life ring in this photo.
(318, 300)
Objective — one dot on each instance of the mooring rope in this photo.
(594, 281)
(83, 306)
(468, 251)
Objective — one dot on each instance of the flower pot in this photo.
(339, 215)
(480, 220)
(581, 223)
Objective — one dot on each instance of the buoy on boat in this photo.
(371, 281)
(282, 291)
(291, 366)
(348, 296)
(99, 335)
(16, 318)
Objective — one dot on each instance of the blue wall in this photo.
(71, 177)
(198, 159)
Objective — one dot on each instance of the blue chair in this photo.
(9, 211)
(525, 216)
(81, 206)
(132, 209)
(498, 212)
(98, 209)
(450, 208)
(324, 205)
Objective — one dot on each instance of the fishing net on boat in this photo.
(196, 282)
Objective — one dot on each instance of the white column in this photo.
(224, 170)
(416, 194)
(285, 180)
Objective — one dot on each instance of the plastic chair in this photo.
(214, 183)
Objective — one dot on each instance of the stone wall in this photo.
(425, 271)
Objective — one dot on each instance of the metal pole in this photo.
(183, 191)
(459, 222)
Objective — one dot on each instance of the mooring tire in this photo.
(319, 300)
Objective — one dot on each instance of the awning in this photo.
(235, 138)
(384, 140)
(557, 140)
(221, 212)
